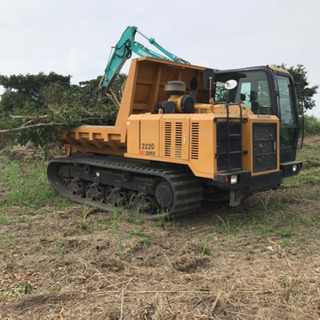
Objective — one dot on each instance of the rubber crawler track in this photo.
(187, 189)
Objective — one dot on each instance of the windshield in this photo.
(252, 90)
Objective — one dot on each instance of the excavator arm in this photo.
(123, 51)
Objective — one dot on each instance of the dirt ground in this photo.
(259, 261)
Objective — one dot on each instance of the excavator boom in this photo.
(123, 51)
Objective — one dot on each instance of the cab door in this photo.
(286, 101)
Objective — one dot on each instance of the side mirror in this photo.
(230, 84)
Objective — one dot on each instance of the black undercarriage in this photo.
(152, 190)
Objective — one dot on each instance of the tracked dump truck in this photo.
(183, 134)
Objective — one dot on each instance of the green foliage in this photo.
(4, 220)
(285, 233)
(20, 288)
(25, 184)
(144, 237)
(90, 86)
(299, 74)
(6, 240)
(204, 247)
(311, 125)
(47, 104)
(32, 84)
(22, 92)
(228, 226)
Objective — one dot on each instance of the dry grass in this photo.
(259, 261)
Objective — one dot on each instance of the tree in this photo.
(299, 74)
(22, 92)
(36, 107)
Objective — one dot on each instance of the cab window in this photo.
(252, 90)
(285, 103)
(288, 123)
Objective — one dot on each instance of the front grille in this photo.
(229, 146)
(264, 146)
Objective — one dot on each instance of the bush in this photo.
(311, 125)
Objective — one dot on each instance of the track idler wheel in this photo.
(93, 192)
(164, 195)
(145, 205)
(76, 187)
(115, 197)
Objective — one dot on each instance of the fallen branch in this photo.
(38, 125)
(113, 98)
(29, 117)
(103, 292)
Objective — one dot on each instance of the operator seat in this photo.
(254, 103)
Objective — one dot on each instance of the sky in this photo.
(74, 37)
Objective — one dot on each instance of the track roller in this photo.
(151, 190)
(94, 192)
(76, 187)
(144, 205)
(115, 197)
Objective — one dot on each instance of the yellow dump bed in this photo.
(144, 89)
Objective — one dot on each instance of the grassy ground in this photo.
(63, 261)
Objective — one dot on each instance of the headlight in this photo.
(234, 179)
(294, 168)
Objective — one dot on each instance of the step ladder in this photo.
(229, 141)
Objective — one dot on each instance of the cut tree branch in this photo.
(29, 117)
(38, 125)
(114, 99)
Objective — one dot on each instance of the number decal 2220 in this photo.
(147, 146)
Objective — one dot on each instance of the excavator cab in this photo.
(266, 91)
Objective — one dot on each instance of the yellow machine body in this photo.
(172, 145)
(142, 132)
(190, 140)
